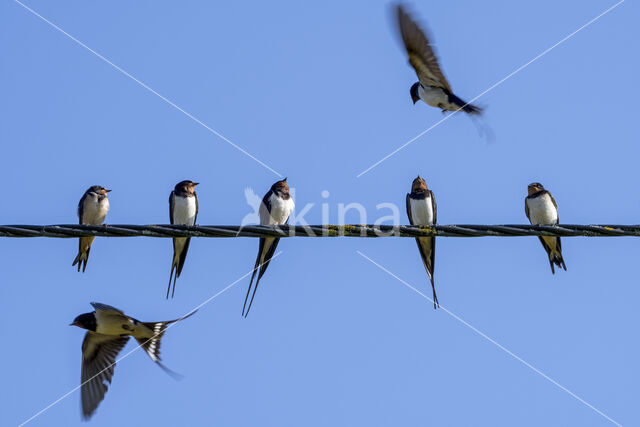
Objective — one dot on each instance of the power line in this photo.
(165, 230)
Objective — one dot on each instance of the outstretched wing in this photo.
(99, 354)
(421, 55)
(105, 307)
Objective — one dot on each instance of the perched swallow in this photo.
(108, 330)
(432, 86)
(92, 210)
(183, 210)
(422, 210)
(275, 209)
(541, 209)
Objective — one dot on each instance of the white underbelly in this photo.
(421, 211)
(542, 211)
(280, 210)
(94, 211)
(434, 96)
(184, 210)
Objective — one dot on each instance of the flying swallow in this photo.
(541, 209)
(92, 210)
(108, 330)
(422, 210)
(183, 210)
(432, 86)
(275, 209)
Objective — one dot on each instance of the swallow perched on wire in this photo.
(183, 210)
(92, 210)
(422, 210)
(108, 330)
(432, 86)
(541, 209)
(275, 209)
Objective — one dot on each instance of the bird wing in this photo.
(81, 207)
(434, 207)
(555, 205)
(526, 208)
(106, 308)
(172, 202)
(195, 218)
(99, 354)
(409, 208)
(421, 54)
(265, 209)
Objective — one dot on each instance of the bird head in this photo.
(534, 187)
(85, 321)
(281, 187)
(415, 96)
(186, 186)
(419, 184)
(98, 189)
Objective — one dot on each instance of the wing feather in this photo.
(99, 354)
(422, 56)
(107, 308)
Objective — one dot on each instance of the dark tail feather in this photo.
(83, 255)
(178, 265)
(152, 345)
(263, 268)
(81, 259)
(436, 304)
(464, 106)
(557, 260)
(255, 288)
(255, 270)
(77, 260)
(171, 276)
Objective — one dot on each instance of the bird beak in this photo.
(284, 180)
(196, 183)
(73, 324)
(108, 191)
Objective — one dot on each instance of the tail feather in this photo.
(180, 249)
(246, 298)
(436, 304)
(464, 106)
(84, 247)
(152, 345)
(556, 258)
(171, 276)
(270, 244)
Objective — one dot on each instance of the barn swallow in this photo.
(541, 209)
(108, 330)
(432, 86)
(275, 209)
(92, 210)
(422, 210)
(183, 210)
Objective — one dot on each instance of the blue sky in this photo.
(319, 92)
